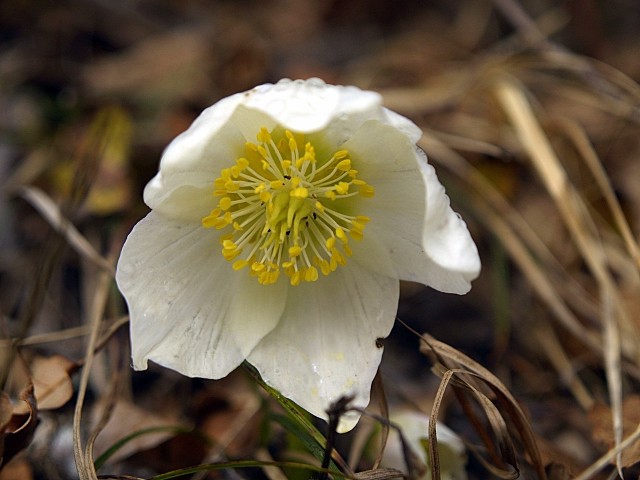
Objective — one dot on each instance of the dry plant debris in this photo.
(531, 113)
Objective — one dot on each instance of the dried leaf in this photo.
(51, 381)
(50, 377)
(466, 373)
(126, 419)
(18, 430)
(380, 474)
(19, 469)
(601, 427)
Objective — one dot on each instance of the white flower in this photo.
(415, 428)
(281, 222)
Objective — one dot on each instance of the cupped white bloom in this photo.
(415, 427)
(281, 222)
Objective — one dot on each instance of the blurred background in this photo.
(530, 113)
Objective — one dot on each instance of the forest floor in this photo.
(531, 117)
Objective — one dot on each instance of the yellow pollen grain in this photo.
(367, 191)
(311, 274)
(231, 186)
(225, 203)
(342, 188)
(239, 264)
(344, 165)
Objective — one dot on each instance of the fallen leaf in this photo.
(127, 419)
(19, 469)
(602, 430)
(52, 384)
(17, 428)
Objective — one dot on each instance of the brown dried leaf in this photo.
(50, 378)
(380, 474)
(51, 381)
(17, 431)
(126, 419)
(462, 371)
(19, 469)
(6, 409)
(602, 431)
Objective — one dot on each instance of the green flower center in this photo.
(286, 210)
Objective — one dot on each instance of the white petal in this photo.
(190, 311)
(447, 240)
(207, 140)
(187, 196)
(307, 106)
(183, 187)
(415, 428)
(426, 241)
(191, 163)
(403, 124)
(325, 345)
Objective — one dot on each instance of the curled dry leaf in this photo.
(500, 407)
(17, 428)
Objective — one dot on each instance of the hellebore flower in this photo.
(282, 220)
(415, 427)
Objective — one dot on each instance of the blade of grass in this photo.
(548, 341)
(378, 388)
(102, 459)
(582, 143)
(519, 239)
(595, 468)
(457, 378)
(211, 467)
(303, 435)
(298, 415)
(52, 213)
(86, 470)
(272, 473)
(575, 216)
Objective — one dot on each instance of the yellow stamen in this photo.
(285, 207)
